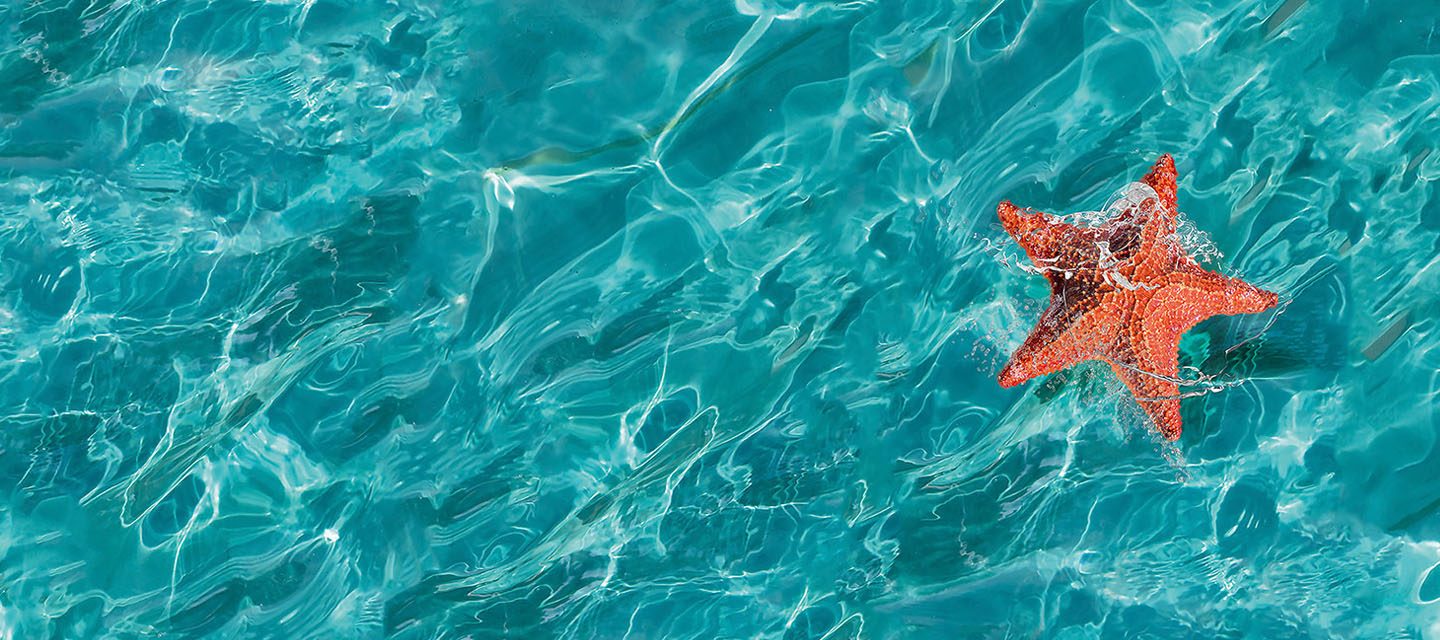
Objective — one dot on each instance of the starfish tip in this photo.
(1011, 376)
(1250, 299)
(1006, 209)
(1010, 217)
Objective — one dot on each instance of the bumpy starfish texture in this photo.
(1123, 293)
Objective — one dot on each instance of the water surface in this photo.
(606, 319)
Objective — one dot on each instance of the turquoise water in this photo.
(604, 319)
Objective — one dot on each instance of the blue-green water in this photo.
(605, 319)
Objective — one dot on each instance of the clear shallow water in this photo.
(681, 320)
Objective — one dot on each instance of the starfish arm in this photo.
(1061, 339)
(1149, 364)
(1041, 235)
(1242, 297)
(1190, 297)
(1163, 215)
(1157, 393)
(1162, 178)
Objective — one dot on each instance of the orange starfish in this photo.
(1122, 292)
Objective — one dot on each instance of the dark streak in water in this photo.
(1414, 517)
(1382, 343)
(919, 67)
(1413, 167)
(1277, 19)
(1262, 179)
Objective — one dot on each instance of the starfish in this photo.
(1123, 293)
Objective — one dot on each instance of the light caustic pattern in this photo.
(575, 319)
